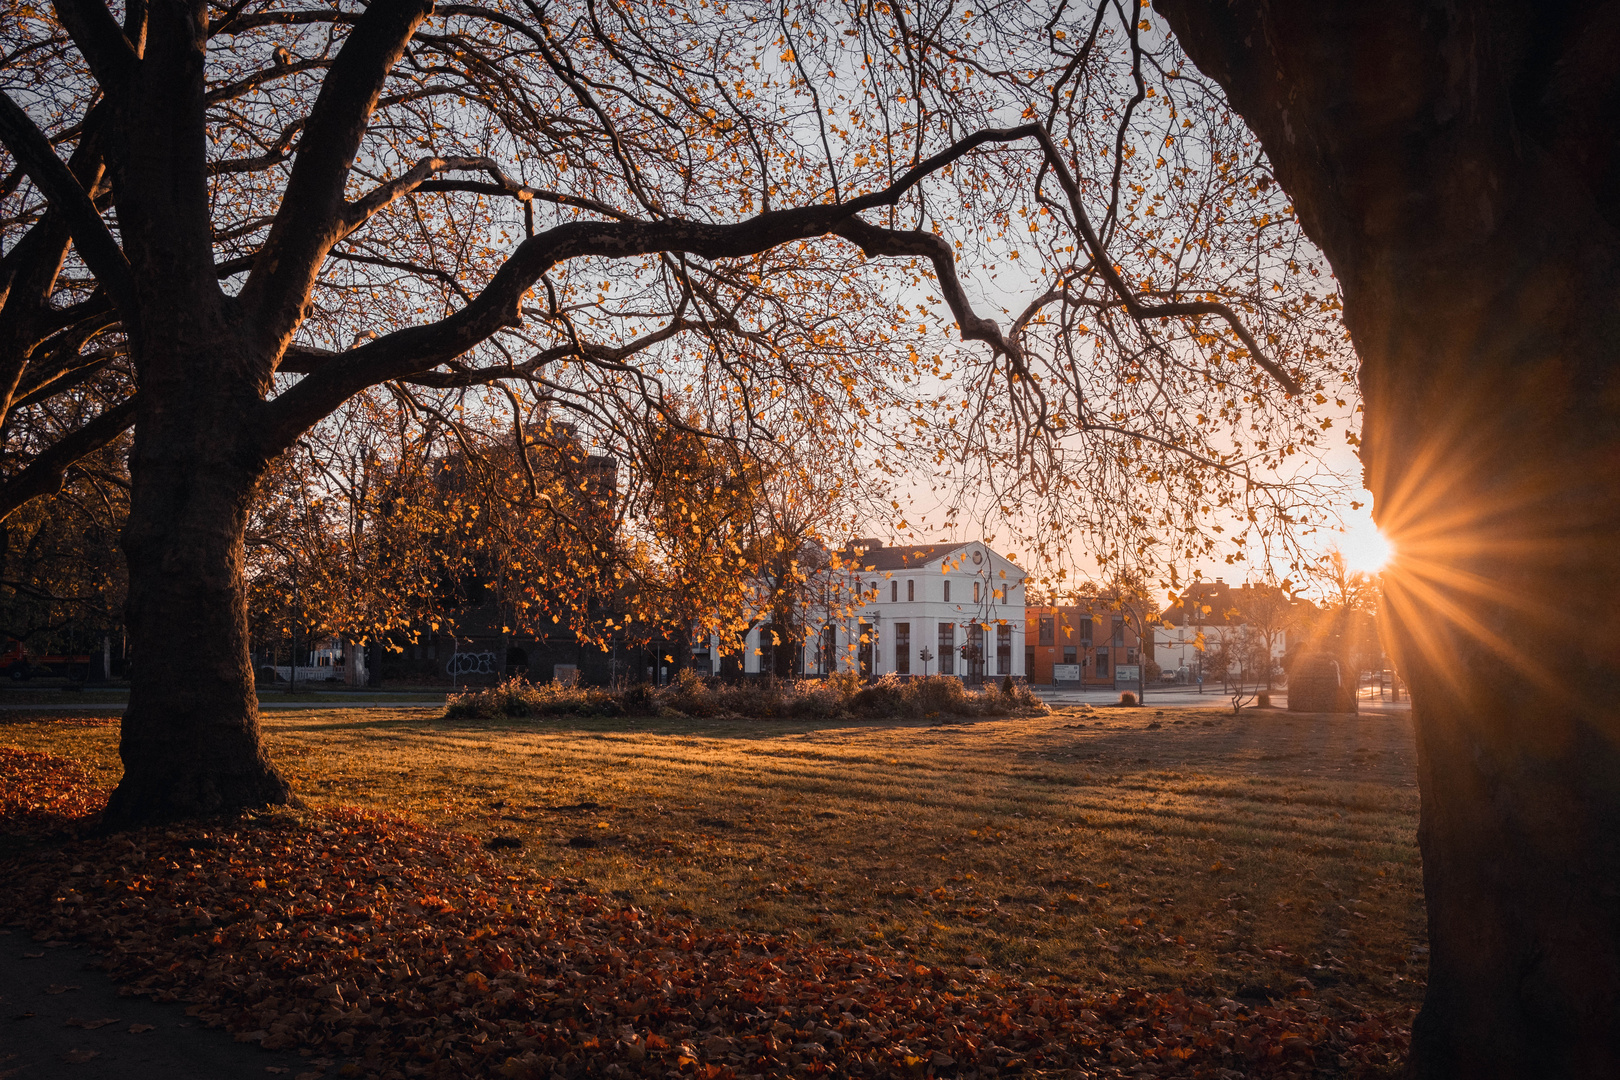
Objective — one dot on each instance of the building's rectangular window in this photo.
(829, 649)
(975, 651)
(894, 592)
(863, 653)
(767, 649)
(1085, 630)
(1102, 662)
(1130, 656)
(1048, 631)
(947, 590)
(1069, 655)
(975, 592)
(1003, 650)
(911, 591)
(947, 647)
(902, 648)
(1119, 630)
(1029, 661)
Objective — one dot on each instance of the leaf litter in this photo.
(411, 952)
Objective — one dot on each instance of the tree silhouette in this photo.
(1456, 163)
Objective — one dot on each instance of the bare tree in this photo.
(1271, 613)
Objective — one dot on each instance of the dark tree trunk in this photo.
(190, 742)
(1457, 163)
(190, 738)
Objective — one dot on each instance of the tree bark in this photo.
(1457, 164)
(190, 743)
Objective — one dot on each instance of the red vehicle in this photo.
(20, 664)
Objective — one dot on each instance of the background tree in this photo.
(1128, 593)
(61, 574)
(1466, 196)
(1272, 615)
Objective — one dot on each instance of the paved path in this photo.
(54, 1008)
(1174, 697)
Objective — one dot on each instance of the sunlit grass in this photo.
(1209, 852)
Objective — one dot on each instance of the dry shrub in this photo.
(1127, 698)
(518, 698)
(840, 695)
(943, 695)
(690, 693)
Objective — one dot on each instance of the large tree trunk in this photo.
(1458, 168)
(190, 741)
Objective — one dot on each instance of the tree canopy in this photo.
(763, 221)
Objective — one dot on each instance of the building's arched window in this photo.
(911, 591)
(947, 590)
(894, 592)
(975, 592)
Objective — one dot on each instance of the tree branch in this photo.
(419, 348)
(878, 241)
(45, 474)
(1133, 303)
(100, 41)
(68, 198)
(311, 217)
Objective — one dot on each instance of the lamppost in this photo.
(292, 672)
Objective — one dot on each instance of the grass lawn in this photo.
(1112, 847)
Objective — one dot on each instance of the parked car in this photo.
(20, 664)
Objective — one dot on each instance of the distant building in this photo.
(882, 608)
(1079, 644)
(1213, 617)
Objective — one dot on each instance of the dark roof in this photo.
(903, 557)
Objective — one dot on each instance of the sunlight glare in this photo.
(1366, 550)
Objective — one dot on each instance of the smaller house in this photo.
(1079, 644)
(1216, 618)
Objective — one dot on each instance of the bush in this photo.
(517, 698)
(1127, 698)
(843, 694)
(691, 694)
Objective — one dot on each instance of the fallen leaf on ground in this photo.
(373, 939)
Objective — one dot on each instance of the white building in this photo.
(912, 609)
(1213, 615)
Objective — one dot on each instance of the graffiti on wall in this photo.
(471, 663)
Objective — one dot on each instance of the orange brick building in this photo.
(1077, 644)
